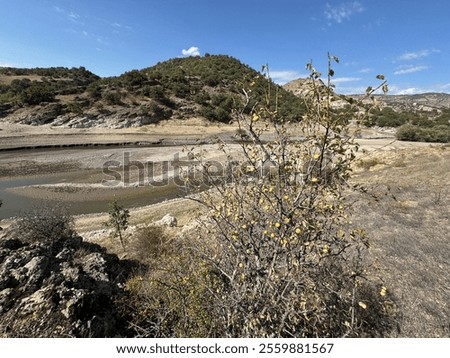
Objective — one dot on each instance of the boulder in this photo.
(167, 220)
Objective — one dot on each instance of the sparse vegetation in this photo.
(118, 220)
(201, 86)
(414, 133)
(368, 163)
(45, 224)
(150, 245)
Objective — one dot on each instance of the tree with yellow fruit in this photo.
(284, 258)
(277, 254)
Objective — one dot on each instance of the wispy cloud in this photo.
(404, 70)
(350, 89)
(70, 15)
(344, 11)
(121, 26)
(73, 16)
(365, 70)
(408, 56)
(282, 77)
(191, 51)
(7, 64)
(408, 90)
(345, 79)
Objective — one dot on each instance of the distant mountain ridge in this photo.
(423, 101)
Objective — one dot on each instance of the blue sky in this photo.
(406, 40)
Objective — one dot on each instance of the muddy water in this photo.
(29, 189)
(18, 197)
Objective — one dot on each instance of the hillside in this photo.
(209, 87)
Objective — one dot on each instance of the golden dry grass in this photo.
(409, 229)
(6, 80)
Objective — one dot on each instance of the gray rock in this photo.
(63, 288)
(167, 220)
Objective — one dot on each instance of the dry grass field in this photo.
(409, 226)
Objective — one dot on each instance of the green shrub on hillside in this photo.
(414, 133)
(112, 98)
(387, 117)
(37, 93)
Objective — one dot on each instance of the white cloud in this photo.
(191, 51)
(410, 90)
(6, 64)
(343, 11)
(74, 16)
(121, 26)
(436, 88)
(365, 70)
(350, 90)
(408, 56)
(403, 70)
(282, 77)
(345, 79)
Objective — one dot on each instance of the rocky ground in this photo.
(65, 288)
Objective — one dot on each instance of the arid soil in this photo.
(404, 210)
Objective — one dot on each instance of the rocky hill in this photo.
(208, 87)
(420, 117)
(421, 102)
(426, 102)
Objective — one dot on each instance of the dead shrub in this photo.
(148, 244)
(45, 224)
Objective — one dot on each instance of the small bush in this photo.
(155, 92)
(112, 98)
(37, 93)
(95, 90)
(159, 112)
(45, 224)
(149, 244)
(368, 163)
(74, 107)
